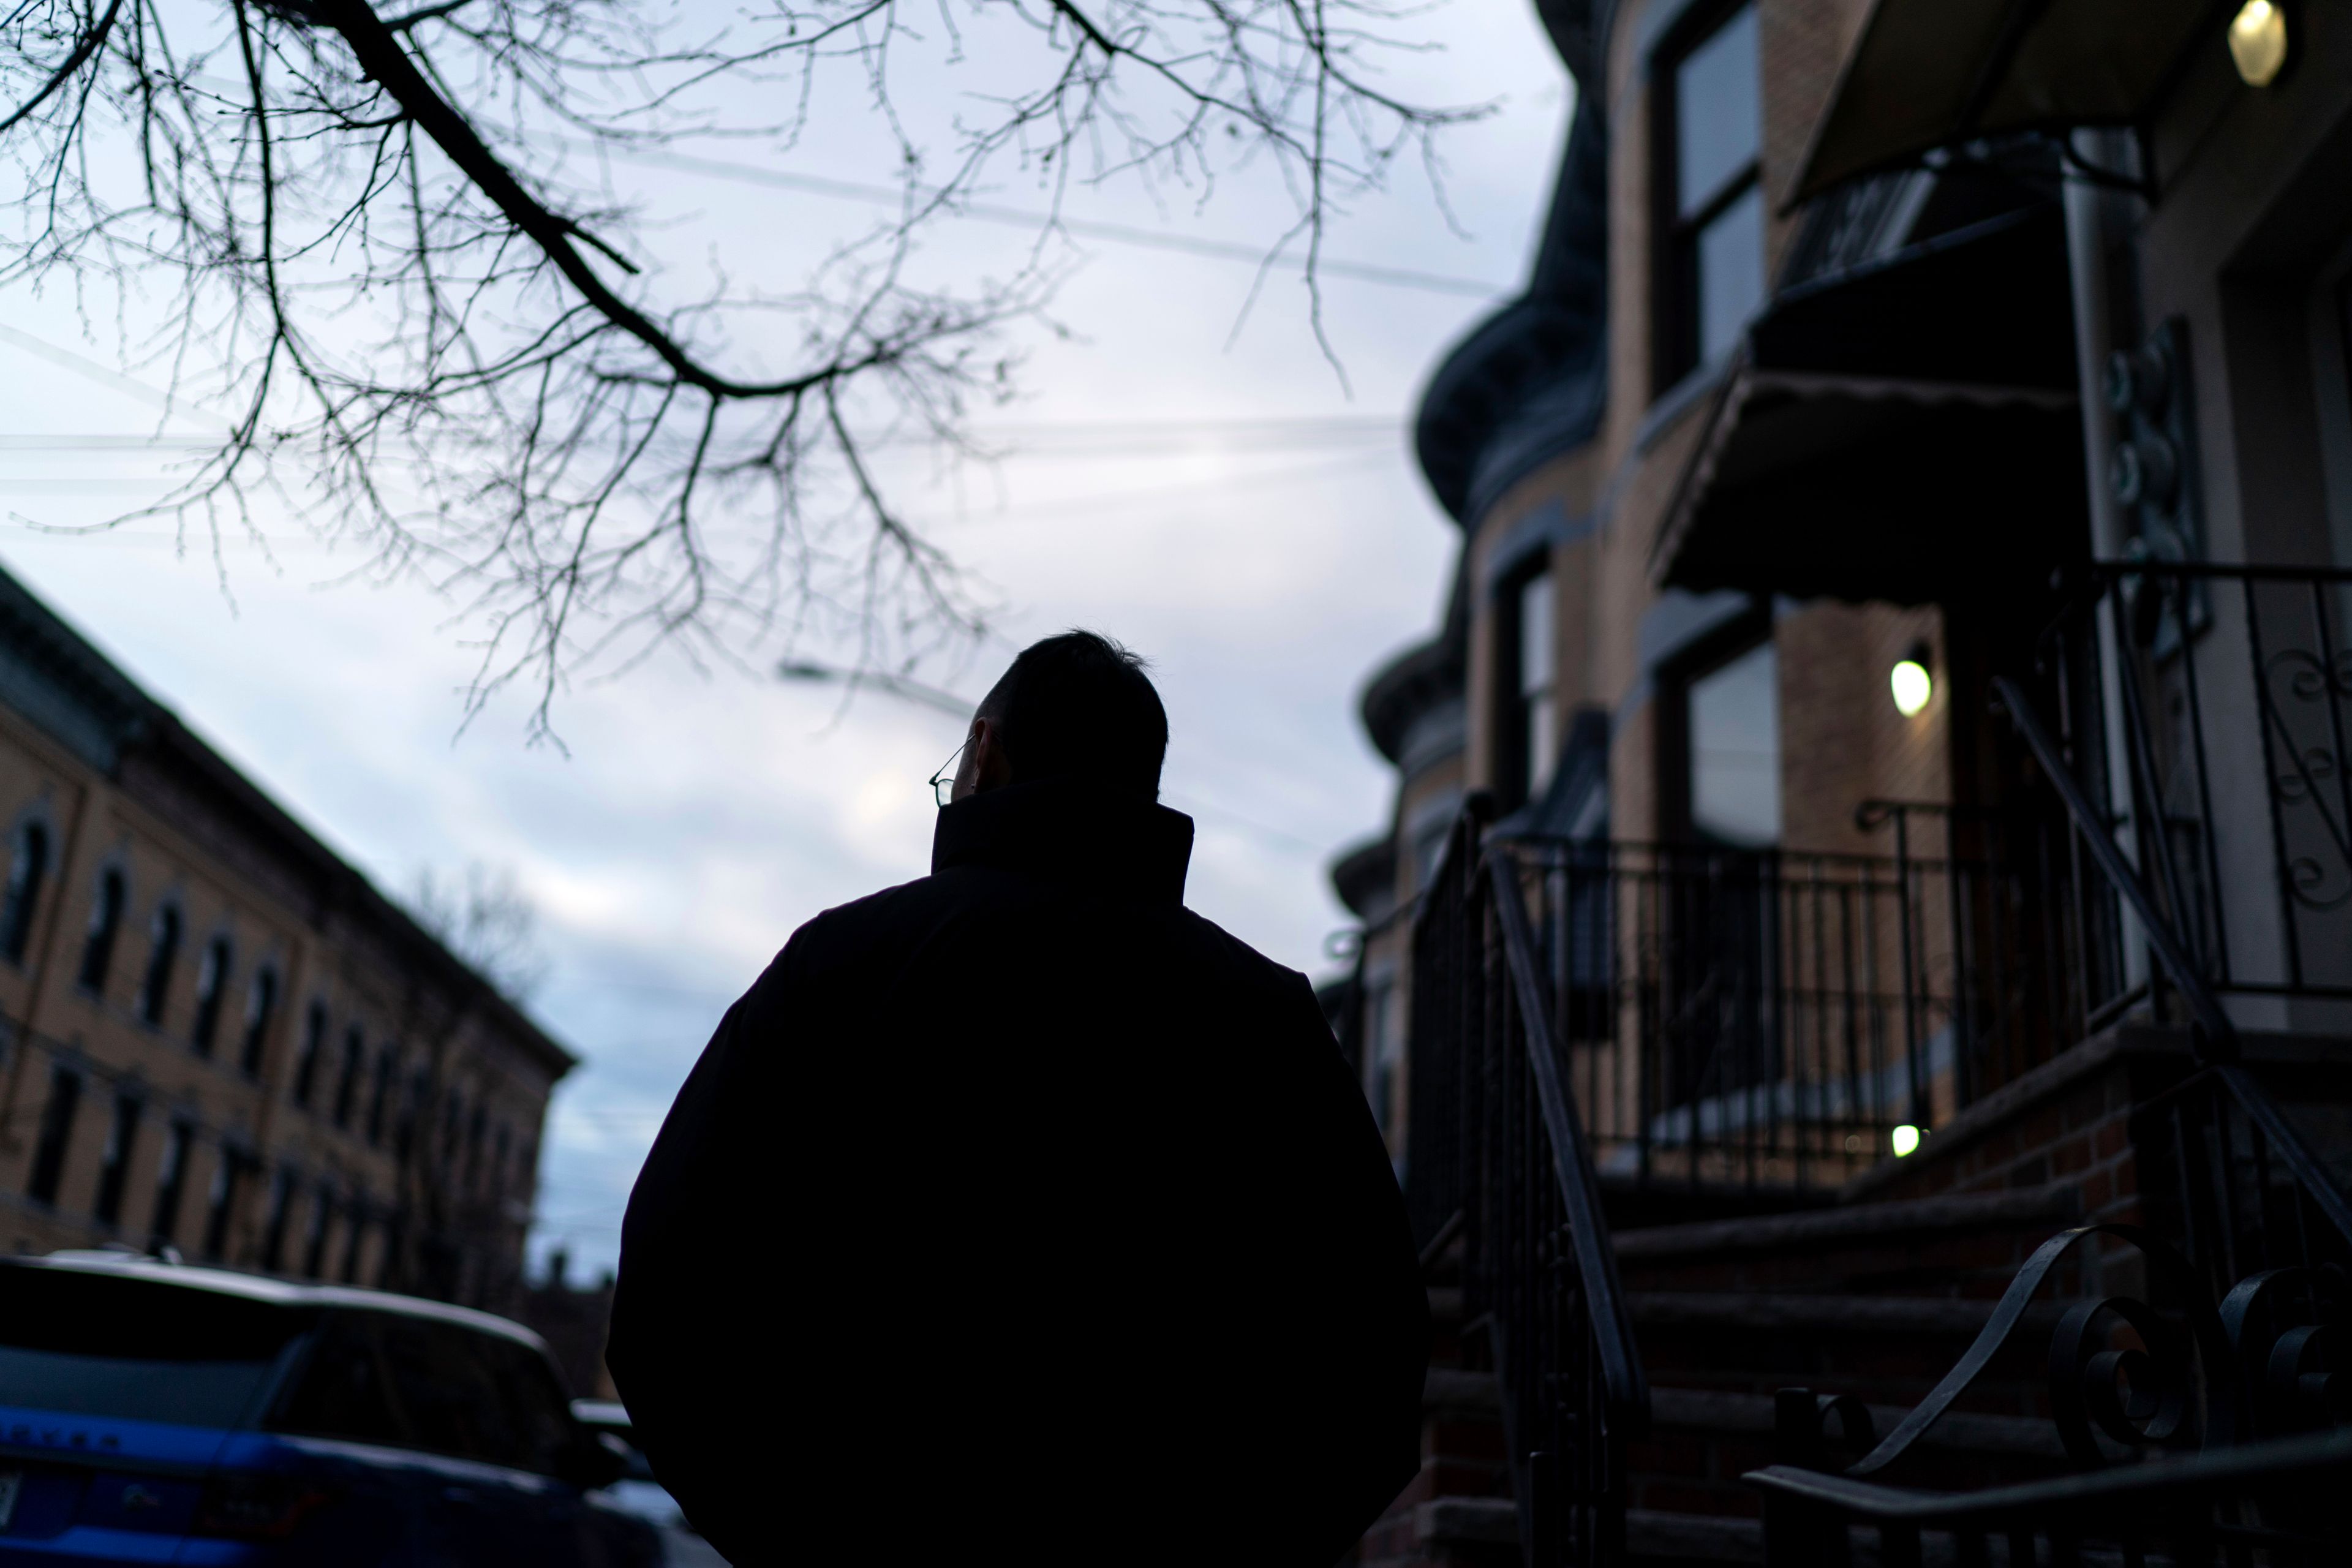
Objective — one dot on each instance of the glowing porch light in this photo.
(1911, 684)
(1904, 1139)
(2258, 41)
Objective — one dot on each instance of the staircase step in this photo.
(1455, 1522)
(1767, 1311)
(1457, 1391)
(1969, 1246)
(1817, 1227)
(1466, 1521)
(1652, 1536)
(1707, 1410)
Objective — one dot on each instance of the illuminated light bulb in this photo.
(1904, 1139)
(2258, 41)
(1911, 686)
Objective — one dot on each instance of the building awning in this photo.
(1937, 73)
(1905, 431)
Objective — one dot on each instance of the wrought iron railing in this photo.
(1499, 1159)
(2225, 695)
(2205, 1401)
(2191, 1427)
(1770, 1021)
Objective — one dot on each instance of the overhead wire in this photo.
(1036, 219)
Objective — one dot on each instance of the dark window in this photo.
(345, 1390)
(1528, 736)
(172, 1179)
(212, 985)
(56, 1133)
(453, 1123)
(155, 990)
(1383, 1048)
(476, 1130)
(415, 1383)
(105, 921)
(354, 1238)
(501, 1146)
(388, 1274)
(260, 1008)
(314, 1045)
(100, 1344)
(26, 871)
(114, 1168)
(347, 1080)
(387, 1071)
(414, 1107)
(1707, 136)
(282, 1188)
(322, 1224)
(228, 1179)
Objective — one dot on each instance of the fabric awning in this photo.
(1935, 73)
(1906, 431)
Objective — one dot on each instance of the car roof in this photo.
(274, 1292)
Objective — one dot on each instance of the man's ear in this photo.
(985, 766)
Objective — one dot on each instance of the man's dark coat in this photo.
(1019, 1213)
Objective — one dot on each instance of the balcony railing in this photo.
(1774, 1020)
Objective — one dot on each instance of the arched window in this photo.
(260, 1009)
(314, 1045)
(212, 986)
(155, 990)
(105, 921)
(26, 871)
(347, 1081)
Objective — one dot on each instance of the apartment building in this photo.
(1899, 646)
(215, 1035)
(1815, 421)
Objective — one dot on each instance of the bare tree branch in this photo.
(436, 341)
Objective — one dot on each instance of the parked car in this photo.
(638, 1491)
(155, 1413)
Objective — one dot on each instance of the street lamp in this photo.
(895, 685)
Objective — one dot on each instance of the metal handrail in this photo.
(1997, 1508)
(2098, 840)
(1580, 1187)
(2214, 1027)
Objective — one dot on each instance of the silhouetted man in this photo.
(1020, 1213)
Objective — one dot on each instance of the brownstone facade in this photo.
(220, 1038)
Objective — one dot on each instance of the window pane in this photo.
(1716, 126)
(93, 1345)
(1734, 750)
(1730, 274)
(1534, 635)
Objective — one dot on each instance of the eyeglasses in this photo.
(943, 781)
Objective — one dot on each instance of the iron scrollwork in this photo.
(2298, 683)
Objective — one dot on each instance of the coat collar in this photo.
(1124, 849)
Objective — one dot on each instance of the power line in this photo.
(82, 365)
(991, 212)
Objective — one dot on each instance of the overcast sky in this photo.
(1262, 565)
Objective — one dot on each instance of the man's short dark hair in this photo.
(1078, 706)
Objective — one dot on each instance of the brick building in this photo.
(1897, 659)
(218, 1035)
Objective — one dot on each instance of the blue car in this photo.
(155, 1413)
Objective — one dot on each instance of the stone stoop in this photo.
(1463, 1465)
(1876, 1296)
